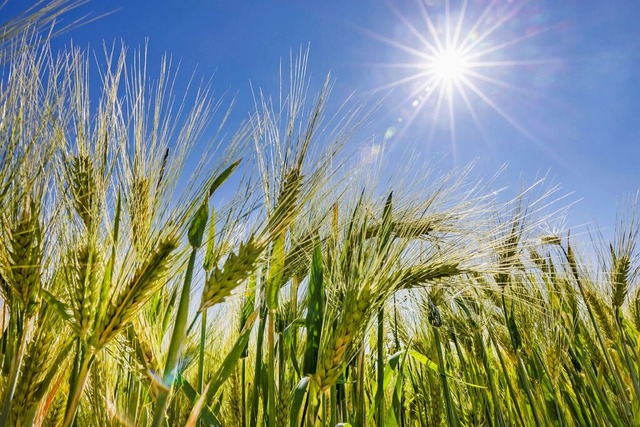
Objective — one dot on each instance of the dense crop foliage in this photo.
(149, 277)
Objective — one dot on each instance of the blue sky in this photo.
(563, 76)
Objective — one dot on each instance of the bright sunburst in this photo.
(448, 66)
(461, 53)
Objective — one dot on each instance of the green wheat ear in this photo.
(236, 269)
(286, 204)
(83, 188)
(24, 258)
(140, 211)
(148, 278)
(86, 288)
(333, 355)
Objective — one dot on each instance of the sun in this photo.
(460, 63)
(448, 66)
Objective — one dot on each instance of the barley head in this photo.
(237, 268)
(146, 280)
(85, 288)
(56, 412)
(602, 312)
(286, 205)
(621, 271)
(23, 259)
(337, 349)
(36, 363)
(83, 188)
(140, 211)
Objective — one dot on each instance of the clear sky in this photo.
(544, 86)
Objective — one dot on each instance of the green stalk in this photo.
(341, 394)
(203, 338)
(131, 403)
(16, 361)
(324, 409)
(271, 390)
(175, 346)
(397, 348)
(424, 419)
(75, 392)
(334, 406)
(312, 404)
(451, 417)
(467, 371)
(195, 234)
(492, 386)
(380, 386)
(73, 375)
(139, 403)
(359, 395)
(7, 344)
(527, 388)
(295, 283)
(276, 268)
(512, 391)
(578, 387)
(244, 392)
(255, 394)
(282, 369)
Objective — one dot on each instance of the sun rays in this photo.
(457, 60)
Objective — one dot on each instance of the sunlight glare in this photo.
(461, 58)
(449, 65)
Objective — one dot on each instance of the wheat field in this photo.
(153, 272)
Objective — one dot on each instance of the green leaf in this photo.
(220, 179)
(196, 410)
(315, 312)
(298, 399)
(391, 366)
(424, 360)
(516, 339)
(390, 420)
(396, 403)
(287, 336)
(59, 306)
(191, 394)
(198, 225)
(168, 308)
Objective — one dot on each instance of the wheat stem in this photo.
(77, 388)
(175, 346)
(12, 380)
